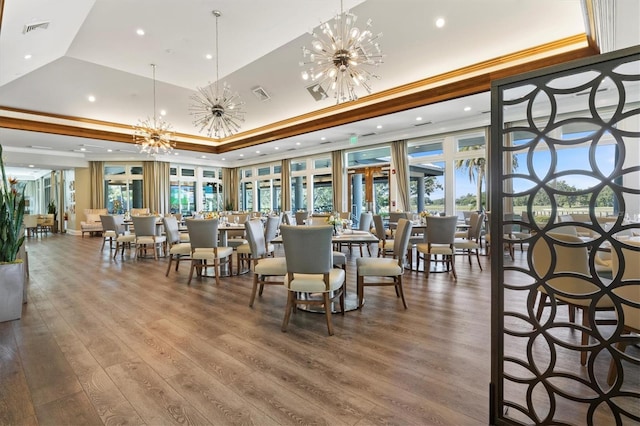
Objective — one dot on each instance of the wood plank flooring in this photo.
(116, 342)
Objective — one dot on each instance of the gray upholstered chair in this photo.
(441, 232)
(366, 218)
(109, 231)
(124, 239)
(385, 246)
(178, 250)
(203, 237)
(471, 244)
(245, 252)
(386, 267)
(310, 269)
(286, 218)
(264, 267)
(146, 236)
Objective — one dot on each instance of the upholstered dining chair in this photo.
(385, 246)
(146, 236)
(386, 267)
(364, 224)
(563, 265)
(286, 218)
(629, 294)
(203, 237)
(301, 217)
(264, 267)
(440, 237)
(308, 253)
(471, 244)
(109, 231)
(245, 252)
(178, 250)
(124, 238)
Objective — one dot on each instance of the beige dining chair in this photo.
(203, 237)
(441, 231)
(301, 217)
(386, 267)
(109, 231)
(562, 263)
(364, 224)
(178, 249)
(265, 269)
(146, 236)
(310, 270)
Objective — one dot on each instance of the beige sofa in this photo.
(92, 223)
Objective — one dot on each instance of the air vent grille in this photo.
(368, 134)
(422, 124)
(34, 26)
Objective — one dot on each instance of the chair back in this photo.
(475, 225)
(271, 229)
(121, 229)
(441, 229)
(139, 212)
(286, 218)
(394, 217)
(365, 221)
(203, 233)
(301, 217)
(308, 249)
(317, 220)
(145, 226)
(379, 226)
(256, 237)
(31, 220)
(108, 223)
(171, 229)
(403, 235)
(631, 291)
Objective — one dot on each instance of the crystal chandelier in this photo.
(153, 135)
(341, 57)
(217, 111)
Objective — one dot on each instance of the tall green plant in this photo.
(11, 215)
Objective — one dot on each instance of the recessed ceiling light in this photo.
(223, 159)
(204, 156)
(91, 98)
(83, 149)
(163, 112)
(176, 153)
(379, 126)
(258, 152)
(467, 108)
(440, 22)
(208, 56)
(297, 143)
(418, 118)
(109, 150)
(323, 138)
(27, 56)
(140, 31)
(31, 165)
(241, 155)
(276, 147)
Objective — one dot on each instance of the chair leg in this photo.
(253, 290)
(585, 336)
(478, 258)
(620, 346)
(453, 267)
(216, 270)
(327, 312)
(287, 312)
(193, 266)
(541, 302)
(360, 290)
(399, 289)
(169, 266)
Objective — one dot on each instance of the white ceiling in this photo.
(91, 48)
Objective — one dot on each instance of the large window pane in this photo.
(212, 196)
(182, 197)
(322, 193)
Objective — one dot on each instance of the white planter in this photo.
(11, 291)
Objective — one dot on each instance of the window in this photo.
(123, 187)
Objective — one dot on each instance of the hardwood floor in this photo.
(116, 342)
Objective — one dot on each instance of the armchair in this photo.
(92, 223)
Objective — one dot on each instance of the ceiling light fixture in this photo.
(340, 56)
(153, 135)
(219, 112)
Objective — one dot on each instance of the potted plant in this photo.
(11, 239)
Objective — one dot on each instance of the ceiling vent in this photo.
(261, 94)
(34, 26)
(423, 124)
(368, 134)
(317, 92)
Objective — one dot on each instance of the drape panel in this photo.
(230, 187)
(156, 191)
(399, 158)
(337, 163)
(96, 173)
(285, 193)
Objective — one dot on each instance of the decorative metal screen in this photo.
(565, 183)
